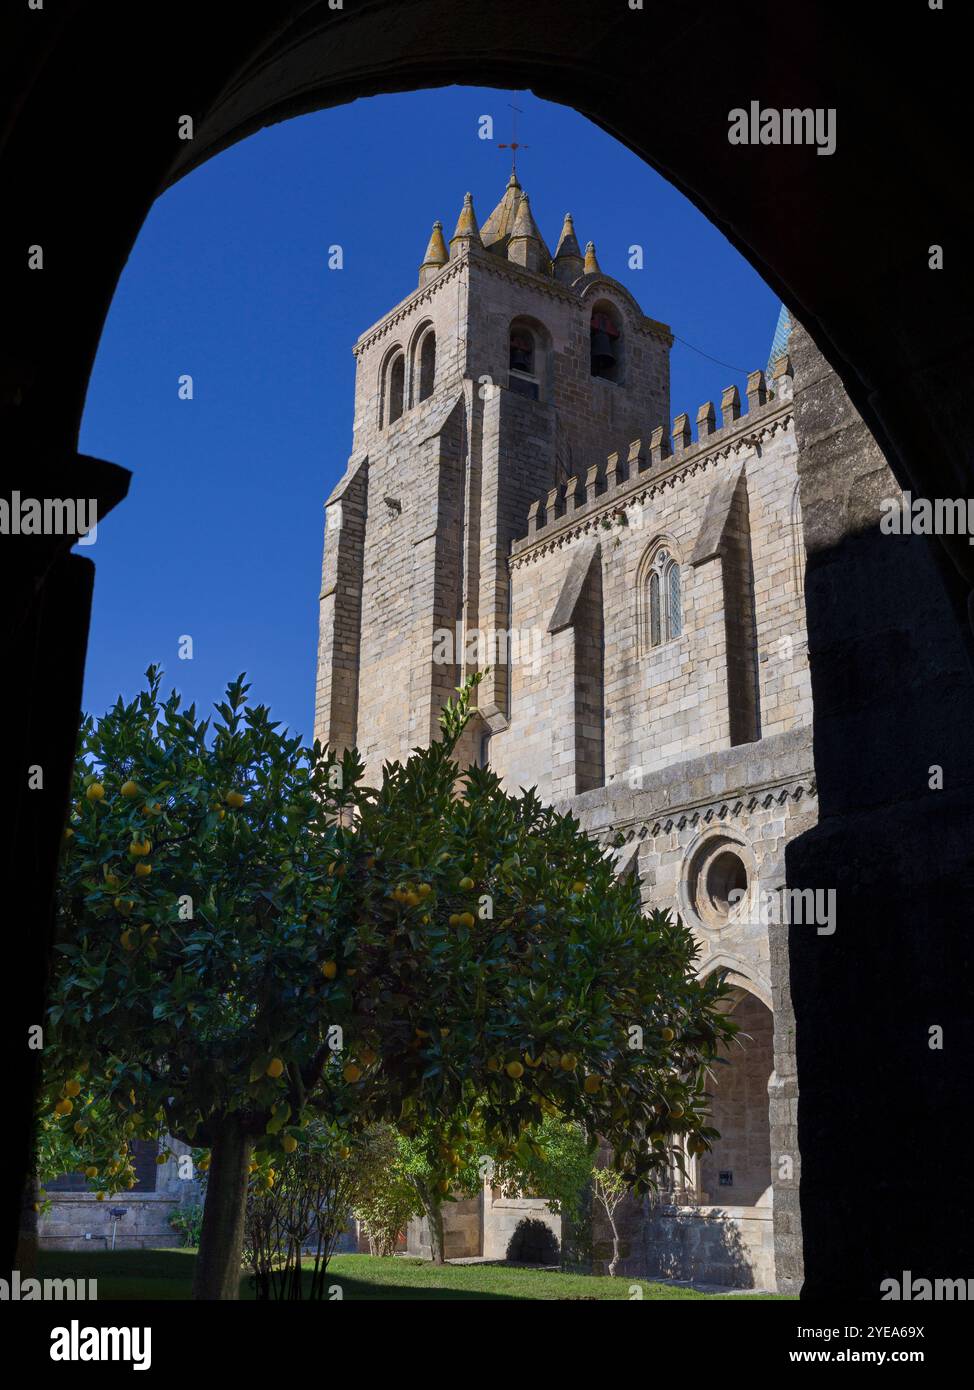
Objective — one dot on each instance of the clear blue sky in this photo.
(221, 535)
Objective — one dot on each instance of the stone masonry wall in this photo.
(78, 1221)
(673, 701)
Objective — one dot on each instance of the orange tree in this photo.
(248, 935)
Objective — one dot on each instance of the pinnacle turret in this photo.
(568, 263)
(467, 232)
(436, 255)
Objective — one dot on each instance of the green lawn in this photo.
(167, 1274)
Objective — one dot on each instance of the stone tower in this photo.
(506, 372)
(518, 499)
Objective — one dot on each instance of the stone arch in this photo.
(737, 1171)
(737, 966)
(886, 327)
(422, 362)
(528, 335)
(607, 341)
(392, 386)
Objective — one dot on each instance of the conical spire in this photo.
(592, 266)
(568, 263)
(524, 223)
(497, 229)
(436, 254)
(467, 230)
(526, 246)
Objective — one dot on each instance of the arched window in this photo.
(395, 385)
(660, 613)
(427, 365)
(655, 611)
(605, 343)
(522, 365)
(674, 606)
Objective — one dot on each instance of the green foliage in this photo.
(188, 1221)
(93, 1138)
(433, 953)
(386, 1197)
(557, 1164)
(608, 1187)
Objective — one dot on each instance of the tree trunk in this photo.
(614, 1262)
(433, 1211)
(218, 1264)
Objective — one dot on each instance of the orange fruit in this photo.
(235, 799)
(329, 969)
(275, 1068)
(592, 1084)
(95, 792)
(129, 789)
(514, 1070)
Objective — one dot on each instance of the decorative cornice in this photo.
(728, 807)
(576, 292)
(641, 488)
(403, 310)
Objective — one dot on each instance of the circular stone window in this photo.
(717, 881)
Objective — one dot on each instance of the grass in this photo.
(167, 1274)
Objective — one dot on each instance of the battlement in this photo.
(649, 461)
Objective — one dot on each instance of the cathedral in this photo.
(521, 497)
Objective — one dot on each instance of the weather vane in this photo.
(513, 145)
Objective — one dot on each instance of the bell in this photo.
(603, 351)
(520, 356)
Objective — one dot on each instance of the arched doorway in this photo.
(737, 1172)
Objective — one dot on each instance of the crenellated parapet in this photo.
(660, 460)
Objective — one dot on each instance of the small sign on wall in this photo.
(726, 1177)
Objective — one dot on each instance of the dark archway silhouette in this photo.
(89, 137)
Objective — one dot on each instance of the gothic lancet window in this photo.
(427, 365)
(397, 385)
(660, 600)
(655, 611)
(605, 344)
(522, 374)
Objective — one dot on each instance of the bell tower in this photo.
(507, 371)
